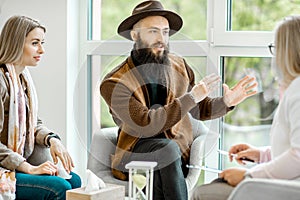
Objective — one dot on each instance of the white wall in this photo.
(55, 77)
(50, 75)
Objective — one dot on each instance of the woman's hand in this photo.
(244, 151)
(58, 150)
(45, 168)
(233, 176)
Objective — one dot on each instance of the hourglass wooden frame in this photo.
(140, 167)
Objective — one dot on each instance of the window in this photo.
(115, 11)
(250, 121)
(260, 15)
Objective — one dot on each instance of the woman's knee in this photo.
(75, 181)
(62, 185)
(41, 187)
(60, 188)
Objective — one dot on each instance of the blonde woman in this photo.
(21, 45)
(282, 159)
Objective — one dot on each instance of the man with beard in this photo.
(150, 95)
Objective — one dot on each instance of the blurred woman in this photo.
(282, 159)
(21, 45)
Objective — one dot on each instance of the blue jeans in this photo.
(44, 187)
(169, 182)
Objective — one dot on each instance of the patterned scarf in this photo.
(17, 110)
(7, 184)
(17, 124)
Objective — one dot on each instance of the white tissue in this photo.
(93, 182)
(62, 171)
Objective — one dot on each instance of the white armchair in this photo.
(104, 143)
(266, 189)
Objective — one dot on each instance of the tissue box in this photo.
(111, 192)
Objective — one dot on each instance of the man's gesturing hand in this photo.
(243, 89)
(204, 87)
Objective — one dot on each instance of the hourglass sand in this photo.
(140, 180)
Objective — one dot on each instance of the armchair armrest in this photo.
(199, 128)
(200, 133)
(196, 156)
(267, 189)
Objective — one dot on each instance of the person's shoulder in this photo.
(118, 69)
(291, 92)
(175, 56)
(294, 84)
(176, 59)
(296, 81)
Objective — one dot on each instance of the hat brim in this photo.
(175, 22)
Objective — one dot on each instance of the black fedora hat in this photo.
(145, 9)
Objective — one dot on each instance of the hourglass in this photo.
(140, 180)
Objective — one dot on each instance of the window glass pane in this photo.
(260, 15)
(198, 64)
(113, 12)
(250, 121)
(107, 64)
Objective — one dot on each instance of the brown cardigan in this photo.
(126, 95)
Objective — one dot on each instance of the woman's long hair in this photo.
(287, 42)
(13, 35)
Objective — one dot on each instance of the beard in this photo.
(152, 67)
(143, 53)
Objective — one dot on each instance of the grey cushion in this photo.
(99, 161)
(39, 155)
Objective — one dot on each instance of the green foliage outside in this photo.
(256, 15)
(261, 15)
(257, 109)
(108, 63)
(193, 13)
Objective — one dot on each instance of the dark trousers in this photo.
(169, 182)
